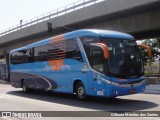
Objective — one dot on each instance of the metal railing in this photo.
(153, 79)
(52, 14)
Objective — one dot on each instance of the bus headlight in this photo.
(109, 82)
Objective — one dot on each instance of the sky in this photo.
(12, 11)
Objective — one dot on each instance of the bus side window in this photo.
(97, 60)
(73, 50)
(41, 53)
(86, 40)
(58, 50)
(20, 57)
(51, 51)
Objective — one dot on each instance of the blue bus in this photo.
(87, 62)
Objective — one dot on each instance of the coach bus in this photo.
(87, 62)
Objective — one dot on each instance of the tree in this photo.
(154, 44)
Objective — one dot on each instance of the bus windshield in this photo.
(124, 56)
(124, 60)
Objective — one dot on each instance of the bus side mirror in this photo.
(103, 47)
(147, 48)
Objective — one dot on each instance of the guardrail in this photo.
(52, 14)
(153, 79)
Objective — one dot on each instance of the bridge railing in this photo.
(52, 14)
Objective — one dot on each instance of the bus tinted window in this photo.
(58, 50)
(20, 57)
(97, 61)
(86, 40)
(72, 50)
(40, 53)
(48, 52)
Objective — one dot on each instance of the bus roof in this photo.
(103, 33)
(83, 32)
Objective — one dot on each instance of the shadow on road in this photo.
(95, 103)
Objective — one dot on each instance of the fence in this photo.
(153, 79)
(52, 14)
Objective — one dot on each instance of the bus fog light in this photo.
(115, 92)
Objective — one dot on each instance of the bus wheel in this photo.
(80, 91)
(24, 87)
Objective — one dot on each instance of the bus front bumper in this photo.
(115, 89)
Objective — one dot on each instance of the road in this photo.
(13, 99)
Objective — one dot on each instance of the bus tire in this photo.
(24, 87)
(80, 91)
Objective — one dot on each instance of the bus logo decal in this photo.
(56, 64)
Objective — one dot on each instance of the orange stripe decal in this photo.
(57, 64)
(147, 48)
(104, 47)
(58, 38)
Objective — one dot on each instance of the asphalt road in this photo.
(13, 99)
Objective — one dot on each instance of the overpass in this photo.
(137, 17)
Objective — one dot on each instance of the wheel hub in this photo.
(80, 91)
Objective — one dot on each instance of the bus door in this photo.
(98, 64)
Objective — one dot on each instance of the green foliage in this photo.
(154, 44)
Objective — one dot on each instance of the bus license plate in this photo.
(132, 91)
